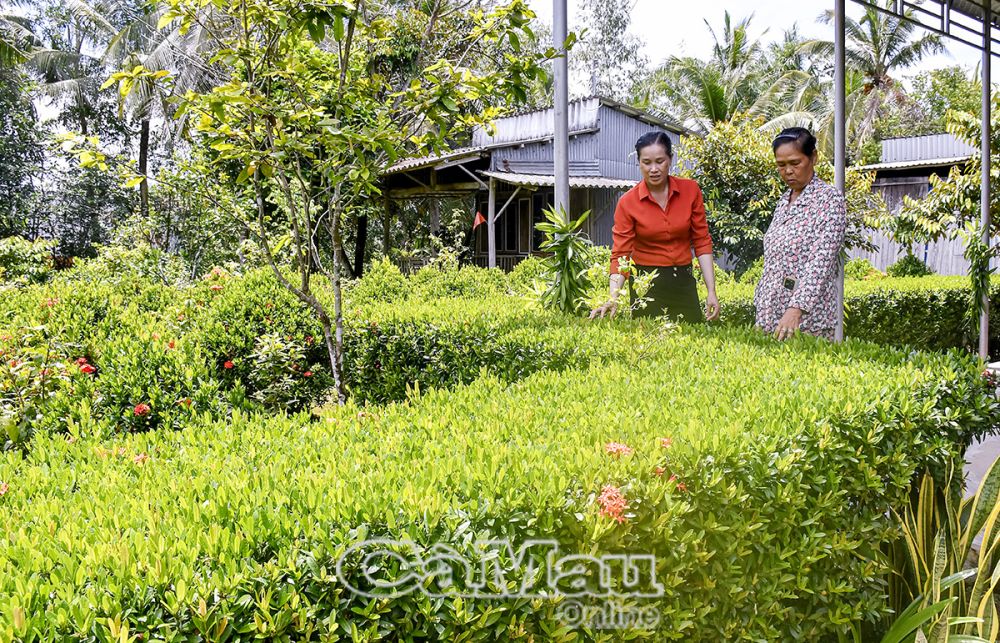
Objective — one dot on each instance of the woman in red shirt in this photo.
(658, 224)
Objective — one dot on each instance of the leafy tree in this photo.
(939, 91)
(20, 152)
(734, 165)
(323, 95)
(607, 57)
(953, 201)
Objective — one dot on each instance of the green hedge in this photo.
(232, 530)
(930, 313)
(766, 512)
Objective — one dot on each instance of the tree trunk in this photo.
(143, 165)
(359, 248)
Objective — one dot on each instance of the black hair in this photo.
(654, 138)
(800, 136)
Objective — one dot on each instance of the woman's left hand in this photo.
(712, 307)
(788, 324)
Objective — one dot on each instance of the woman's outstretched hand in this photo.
(609, 308)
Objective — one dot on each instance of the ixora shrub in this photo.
(233, 326)
(909, 266)
(759, 497)
(24, 262)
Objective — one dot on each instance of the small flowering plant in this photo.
(633, 295)
(35, 373)
(281, 375)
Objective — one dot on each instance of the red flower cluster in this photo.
(87, 369)
(666, 443)
(618, 449)
(307, 374)
(215, 287)
(613, 503)
(4, 488)
(141, 409)
(141, 459)
(227, 364)
(80, 361)
(185, 402)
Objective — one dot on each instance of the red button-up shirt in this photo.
(653, 236)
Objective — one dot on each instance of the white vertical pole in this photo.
(839, 142)
(984, 203)
(561, 106)
(491, 229)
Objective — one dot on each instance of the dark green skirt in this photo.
(674, 293)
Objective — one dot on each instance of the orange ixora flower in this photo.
(227, 364)
(659, 471)
(215, 287)
(4, 488)
(87, 369)
(142, 409)
(613, 503)
(618, 449)
(666, 443)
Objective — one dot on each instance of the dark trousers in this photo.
(674, 293)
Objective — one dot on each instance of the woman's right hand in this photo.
(610, 307)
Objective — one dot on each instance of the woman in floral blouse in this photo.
(802, 246)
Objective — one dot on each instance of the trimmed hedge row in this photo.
(765, 510)
(930, 313)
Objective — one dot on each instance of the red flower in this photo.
(171, 344)
(618, 449)
(81, 360)
(185, 402)
(613, 503)
(4, 488)
(227, 364)
(215, 287)
(309, 339)
(14, 363)
(666, 443)
(141, 409)
(50, 302)
(307, 374)
(141, 459)
(87, 369)
(659, 471)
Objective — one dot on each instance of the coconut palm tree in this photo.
(702, 93)
(878, 45)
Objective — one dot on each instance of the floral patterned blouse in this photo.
(803, 244)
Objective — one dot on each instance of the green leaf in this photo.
(338, 28)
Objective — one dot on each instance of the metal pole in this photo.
(491, 229)
(984, 204)
(839, 143)
(560, 105)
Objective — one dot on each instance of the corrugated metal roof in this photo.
(583, 116)
(920, 148)
(905, 165)
(540, 180)
(433, 159)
